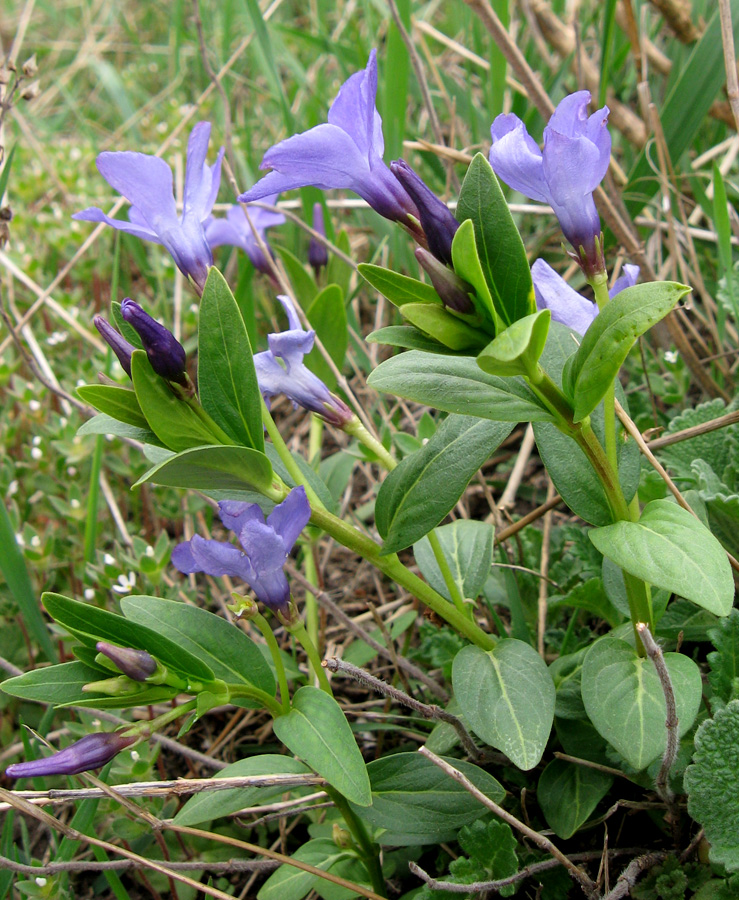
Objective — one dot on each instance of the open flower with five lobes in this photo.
(281, 370)
(575, 158)
(567, 306)
(345, 152)
(235, 230)
(264, 547)
(146, 182)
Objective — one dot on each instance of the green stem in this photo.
(369, 851)
(287, 458)
(355, 428)
(311, 604)
(146, 729)
(451, 585)
(298, 630)
(639, 595)
(315, 440)
(263, 625)
(255, 693)
(600, 287)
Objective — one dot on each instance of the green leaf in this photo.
(17, 579)
(232, 656)
(105, 424)
(291, 883)
(491, 855)
(213, 468)
(327, 316)
(213, 804)
(671, 549)
(468, 548)
(712, 783)
(90, 624)
(516, 350)
(53, 684)
(444, 326)
(176, 423)
(118, 402)
(398, 289)
(457, 385)
(316, 730)
(407, 337)
(499, 245)
(5, 174)
(724, 660)
(417, 803)
(624, 699)
(568, 794)
(507, 697)
(591, 370)
(424, 487)
(467, 265)
(303, 282)
(227, 382)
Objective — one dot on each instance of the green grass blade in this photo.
(5, 174)
(606, 48)
(267, 59)
(723, 230)
(394, 84)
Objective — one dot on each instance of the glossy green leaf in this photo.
(105, 424)
(624, 699)
(406, 337)
(118, 402)
(290, 883)
(457, 385)
(516, 350)
(425, 486)
(316, 730)
(174, 421)
(467, 265)
(232, 656)
(213, 468)
(53, 684)
(227, 382)
(499, 245)
(213, 804)
(327, 315)
(444, 327)
(302, 281)
(90, 624)
(568, 794)
(604, 348)
(398, 289)
(417, 803)
(468, 548)
(671, 549)
(507, 698)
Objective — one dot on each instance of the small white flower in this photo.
(109, 560)
(20, 540)
(89, 594)
(125, 583)
(671, 356)
(41, 882)
(75, 504)
(36, 441)
(13, 487)
(35, 541)
(62, 421)
(71, 471)
(37, 453)
(150, 551)
(34, 405)
(135, 755)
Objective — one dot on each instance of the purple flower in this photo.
(166, 354)
(266, 546)
(138, 665)
(567, 306)
(91, 752)
(317, 252)
(346, 152)
(438, 223)
(294, 378)
(117, 343)
(577, 150)
(235, 231)
(146, 182)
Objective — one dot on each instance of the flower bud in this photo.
(166, 354)
(91, 752)
(438, 223)
(119, 686)
(136, 664)
(317, 252)
(454, 292)
(117, 343)
(32, 91)
(30, 67)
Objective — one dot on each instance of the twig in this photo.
(125, 865)
(584, 880)
(427, 710)
(508, 497)
(475, 887)
(727, 38)
(627, 879)
(654, 652)
(544, 580)
(687, 433)
(535, 514)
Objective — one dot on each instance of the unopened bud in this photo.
(117, 343)
(341, 837)
(453, 291)
(317, 252)
(120, 686)
(166, 354)
(91, 752)
(30, 67)
(32, 91)
(438, 223)
(136, 664)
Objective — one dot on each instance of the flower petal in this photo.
(93, 214)
(236, 513)
(628, 278)
(567, 306)
(145, 181)
(290, 517)
(516, 158)
(571, 115)
(266, 552)
(201, 181)
(212, 557)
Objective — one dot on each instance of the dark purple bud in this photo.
(454, 292)
(317, 252)
(438, 223)
(137, 664)
(91, 752)
(166, 354)
(117, 343)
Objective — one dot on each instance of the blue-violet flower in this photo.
(266, 546)
(90, 752)
(294, 378)
(438, 224)
(166, 354)
(346, 152)
(235, 231)
(117, 343)
(138, 665)
(575, 158)
(146, 182)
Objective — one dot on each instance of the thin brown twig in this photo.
(727, 38)
(686, 434)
